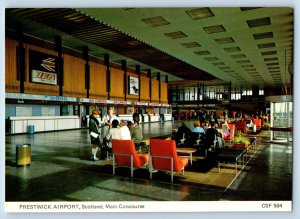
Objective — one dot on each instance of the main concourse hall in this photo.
(137, 106)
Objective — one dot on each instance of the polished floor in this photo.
(61, 170)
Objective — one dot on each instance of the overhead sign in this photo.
(43, 68)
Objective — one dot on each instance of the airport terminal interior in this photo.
(204, 93)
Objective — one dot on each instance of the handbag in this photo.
(94, 135)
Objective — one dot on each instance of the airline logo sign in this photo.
(43, 77)
(43, 68)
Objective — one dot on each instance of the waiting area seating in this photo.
(241, 126)
(163, 152)
(229, 137)
(125, 155)
(258, 123)
(163, 156)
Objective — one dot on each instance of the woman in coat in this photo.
(95, 133)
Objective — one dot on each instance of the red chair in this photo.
(257, 122)
(163, 156)
(241, 126)
(232, 131)
(124, 154)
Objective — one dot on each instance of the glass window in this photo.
(261, 92)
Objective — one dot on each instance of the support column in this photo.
(198, 93)
(170, 96)
(21, 71)
(177, 94)
(85, 51)
(138, 71)
(255, 92)
(124, 68)
(106, 63)
(159, 86)
(150, 84)
(230, 91)
(60, 68)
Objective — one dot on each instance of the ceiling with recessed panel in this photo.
(241, 46)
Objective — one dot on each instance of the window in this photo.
(261, 92)
(235, 96)
(247, 93)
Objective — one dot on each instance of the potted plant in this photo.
(266, 125)
(240, 140)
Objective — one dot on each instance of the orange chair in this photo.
(241, 126)
(257, 122)
(232, 131)
(163, 156)
(124, 154)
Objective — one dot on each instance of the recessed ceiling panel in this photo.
(224, 40)
(259, 22)
(200, 13)
(214, 29)
(232, 49)
(265, 35)
(204, 52)
(190, 45)
(156, 21)
(176, 35)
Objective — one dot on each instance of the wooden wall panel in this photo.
(117, 84)
(164, 92)
(97, 81)
(37, 88)
(155, 91)
(145, 94)
(40, 49)
(11, 83)
(74, 77)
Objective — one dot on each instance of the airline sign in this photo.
(43, 67)
(43, 77)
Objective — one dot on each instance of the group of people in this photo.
(207, 131)
(103, 129)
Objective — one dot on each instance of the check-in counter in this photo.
(43, 123)
(145, 118)
(154, 118)
(126, 117)
(167, 117)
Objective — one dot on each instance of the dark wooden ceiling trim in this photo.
(83, 27)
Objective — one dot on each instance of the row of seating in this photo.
(162, 156)
(242, 125)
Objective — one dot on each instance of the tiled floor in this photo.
(61, 171)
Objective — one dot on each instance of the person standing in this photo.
(136, 116)
(108, 118)
(95, 133)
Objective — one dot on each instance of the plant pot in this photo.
(240, 145)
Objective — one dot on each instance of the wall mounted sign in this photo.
(133, 85)
(43, 68)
